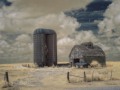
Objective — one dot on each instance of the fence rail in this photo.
(68, 76)
(92, 77)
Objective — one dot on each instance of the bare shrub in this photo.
(94, 63)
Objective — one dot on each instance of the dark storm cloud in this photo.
(5, 3)
(93, 12)
(98, 5)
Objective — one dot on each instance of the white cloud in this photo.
(23, 38)
(104, 47)
(62, 24)
(4, 44)
(117, 41)
(86, 36)
(110, 29)
(112, 19)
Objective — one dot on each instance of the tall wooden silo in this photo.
(45, 47)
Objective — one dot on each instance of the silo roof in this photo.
(44, 31)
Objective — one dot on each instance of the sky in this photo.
(19, 19)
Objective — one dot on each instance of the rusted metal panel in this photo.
(52, 48)
(39, 42)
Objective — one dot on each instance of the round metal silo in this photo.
(45, 47)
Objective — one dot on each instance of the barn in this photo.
(87, 52)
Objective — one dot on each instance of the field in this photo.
(24, 77)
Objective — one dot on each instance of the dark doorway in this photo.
(76, 60)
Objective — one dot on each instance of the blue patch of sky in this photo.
(93, 11)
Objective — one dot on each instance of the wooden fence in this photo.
(85, 76)
(68, 76)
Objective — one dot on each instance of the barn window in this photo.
(90, 45)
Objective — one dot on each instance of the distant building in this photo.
(45, 47)
(87, 52)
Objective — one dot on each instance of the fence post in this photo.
(68, 77)
(6, 77)
(111, 75)
(92, 75)
(84, 76)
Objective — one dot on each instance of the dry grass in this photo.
(56, 77)
(110, 72)
(15, 71)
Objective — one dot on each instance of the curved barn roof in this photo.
(44, 31)
(86, 49)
